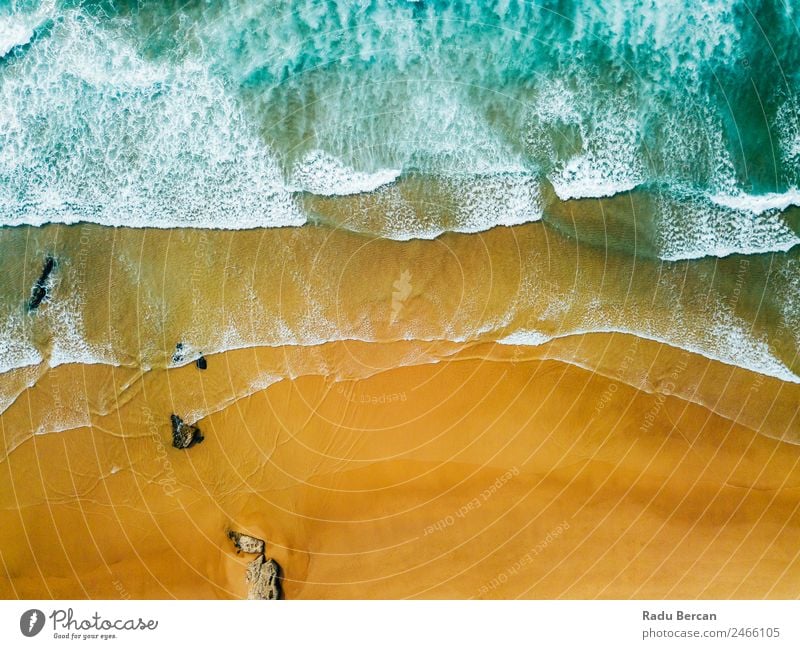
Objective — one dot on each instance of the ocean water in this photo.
(226, 114)
(619, 165)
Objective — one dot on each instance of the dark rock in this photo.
(184, 435)
(201, 363)
(177, 357)
(37, 296)
(39, 292)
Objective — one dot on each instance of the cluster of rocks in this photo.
(179, 356)
(263, 575)
(185, 435)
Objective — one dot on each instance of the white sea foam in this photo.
(499, 199)
(696, 226)
(18, 28)
(68, 344)
(686, 33)
(609, 161)
(92, 131)
(15, 382)
(16, 350)
(723, 219)
(587, 177)
(470, 204)
(321, 173)
(787, 120)
(758, 203)
(527, 337)
(13, 33)
(729, 342)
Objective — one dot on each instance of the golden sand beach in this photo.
(593, 465)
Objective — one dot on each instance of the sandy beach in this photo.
(477, 476)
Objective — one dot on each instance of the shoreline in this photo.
(211, 291)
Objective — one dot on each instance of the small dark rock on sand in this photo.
(39, 292)
(201, 363)
(184, 435)
(177, 357)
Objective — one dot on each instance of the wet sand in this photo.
(492, 474)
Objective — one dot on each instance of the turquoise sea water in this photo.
(220, 114)
(652, 131)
